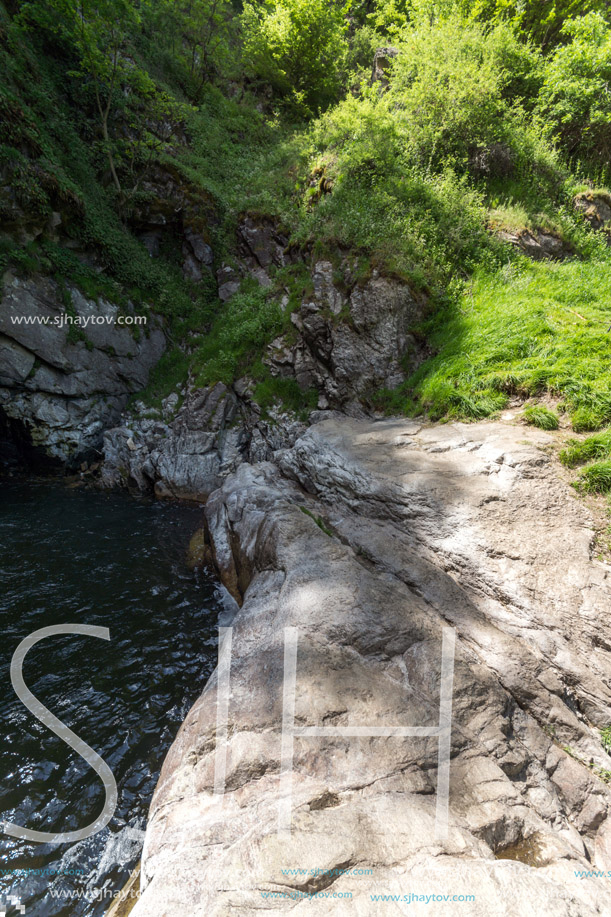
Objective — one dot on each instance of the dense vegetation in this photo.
(493, 115)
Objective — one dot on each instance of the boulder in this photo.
(373, 542)
(494, 161)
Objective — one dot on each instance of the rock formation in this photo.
(186, 454)
(61, 385)
(596, 209)
(370, 539)
(348, 339)
(350, 342)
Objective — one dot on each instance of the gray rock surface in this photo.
(350, 343)
(65, 389)
(382, 63)
(170, 207)
(407, 529)
(350, 338)
(538, 245)
(187, 451)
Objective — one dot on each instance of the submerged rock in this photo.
(371, 540)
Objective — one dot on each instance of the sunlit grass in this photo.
(595, 478)
(529, 329)
(540, 416)
(578, 452)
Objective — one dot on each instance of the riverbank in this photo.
(372, 540)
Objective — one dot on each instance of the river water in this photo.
(73, 556)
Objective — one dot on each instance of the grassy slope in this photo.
(525, 329)
(500, 325)
(402, 195)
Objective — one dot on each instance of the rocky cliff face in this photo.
(187, 453)
(370, 539)
(351, 341)
(348, 339)
(62, 385)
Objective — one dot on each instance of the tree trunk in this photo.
(111, 161)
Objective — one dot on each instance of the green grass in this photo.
(528, 329)
(605, 738)
(596, 478)
(320, 522)
(539, 416)
(273, 390)
(167, 376)
(238, 335)
(578, 452)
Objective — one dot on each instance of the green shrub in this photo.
(578, 452)
(449, 104)
(539, 20)
(298, 48)
(596, 478)
(169, 374)
(238, 336)
(539, 416)
(410, 221)
(274, 391)
(574, 98)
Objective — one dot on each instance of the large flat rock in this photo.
(370, 540)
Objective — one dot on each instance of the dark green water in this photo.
(73, 556)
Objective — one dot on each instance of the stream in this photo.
(82, 556)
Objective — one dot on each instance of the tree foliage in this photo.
(575, 98)
(541, 21)
(298, 48)
(99, 35)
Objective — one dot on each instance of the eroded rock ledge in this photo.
(406, 529)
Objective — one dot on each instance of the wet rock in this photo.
(260, 242)
(16, 362)
(407, 530)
